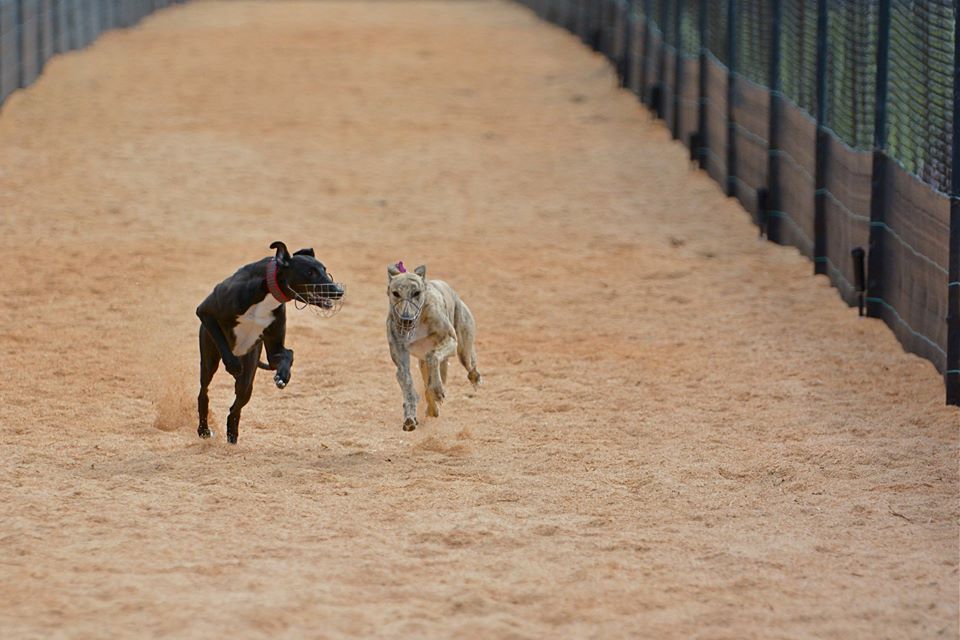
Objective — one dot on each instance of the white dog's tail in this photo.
(466, 327)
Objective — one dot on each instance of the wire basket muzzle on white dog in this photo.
(324, 300)
(405, 316)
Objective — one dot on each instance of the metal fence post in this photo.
(731, 186)
(878, 181)
(951, 376)
(41, 36)
(772, 224)
(624, 66)
(700, 141)
(18, 21)
(677, 71)
(822, 140)
(645, 52)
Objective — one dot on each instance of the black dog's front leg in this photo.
(281, 361)
(279, 357)
(231, 363)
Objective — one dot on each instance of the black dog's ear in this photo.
(283, 256)
(305, 252)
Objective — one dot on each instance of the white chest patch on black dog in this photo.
(251, 324)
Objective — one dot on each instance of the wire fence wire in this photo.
(834, 122)
(798, 51)
(852, 69)
(920, 106)
(33, 31)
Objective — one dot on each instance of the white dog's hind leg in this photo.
(466, 329)
(438, 354)
(432, 409)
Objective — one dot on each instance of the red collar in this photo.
(272, 285)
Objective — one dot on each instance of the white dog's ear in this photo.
(421, 271)
(392, 271)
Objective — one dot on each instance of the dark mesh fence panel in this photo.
(30, 40)
(63, 14)
(689, 44)
(652, 62)
(716, 34)
(668, 62)
(852, 70)
(796, 159)
(792, 221)
(753, 40)
(920, 108)
(846, 211)
(32, 31)
(849, 116)
(715, 101)
(78, 37)
(637, 46)
(798, 51)
(715, 106)
(751, 100)
(915, 256)
(688, 52)
(47, 43)
(915, 221)
(9, 55)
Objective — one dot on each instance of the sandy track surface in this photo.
(682, 433)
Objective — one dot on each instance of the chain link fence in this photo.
(835, 124)
(33, 31)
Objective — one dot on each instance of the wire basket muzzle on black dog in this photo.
(324, 300)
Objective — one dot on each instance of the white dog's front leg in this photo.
(402, 359)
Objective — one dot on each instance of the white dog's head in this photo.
(406, 292)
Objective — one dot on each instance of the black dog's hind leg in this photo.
(244, 389)
(209, 363)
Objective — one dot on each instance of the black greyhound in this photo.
(246, 312)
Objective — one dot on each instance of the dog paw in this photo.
(433, 412)
(438, 393)
(475, 378)
(203, 431)
(410, 424)
(280, 382)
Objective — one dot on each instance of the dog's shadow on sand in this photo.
(214, 459)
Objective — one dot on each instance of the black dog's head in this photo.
(305, 279)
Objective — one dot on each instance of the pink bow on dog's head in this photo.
(400, 267)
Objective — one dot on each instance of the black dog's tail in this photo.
(264, 365)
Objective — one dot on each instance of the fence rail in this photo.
(33, 31)
(834, 122)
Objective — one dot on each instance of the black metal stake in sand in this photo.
(859, 275)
